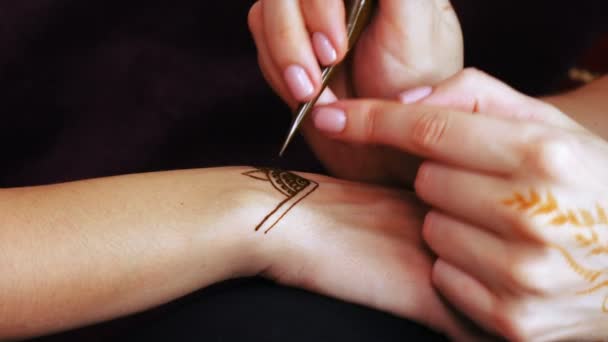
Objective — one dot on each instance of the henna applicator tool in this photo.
(359, 16)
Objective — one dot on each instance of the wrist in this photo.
(273, 218)
(253, 218)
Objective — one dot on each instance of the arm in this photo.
(587, 105)
(89, 251)
(82, 252)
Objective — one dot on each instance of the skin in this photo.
(77, 253)
(407, 44)
(586, 105)
(518, 192)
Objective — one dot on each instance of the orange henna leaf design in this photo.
(560, 220)
(572, 219)
(523, 204)
(599, 250)
(534, 200)
(586, 242)
(601, 215)
(582, 240)
(581, 218)
(588, 220)
(594, 289)
(517, 199)
(587, 274)
(549, 206)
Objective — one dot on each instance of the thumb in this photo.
(409, 43)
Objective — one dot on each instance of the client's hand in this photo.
(520, 212)
(359, 243)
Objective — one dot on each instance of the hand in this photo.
(408, 44)
(361, 244)
(520, 210)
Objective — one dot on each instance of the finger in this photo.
(501, 265)
(465, 293)
(289, 45)
(475, 251)
(269, 70)
(474, 91)
(480, 143)
(417, 43)
(325, 19)
(475, 198)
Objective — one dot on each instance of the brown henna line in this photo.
(294, 187)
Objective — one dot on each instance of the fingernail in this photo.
(325, 51)
(415, 95)
(298, 82)
(330, 120)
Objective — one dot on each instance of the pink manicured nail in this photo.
(415, 95)
(325, 51)
(298, 82)
(330, 120)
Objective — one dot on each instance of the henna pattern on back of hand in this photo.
(586, 224)
(293, 187)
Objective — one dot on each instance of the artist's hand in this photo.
(520, 218)
(362, 244)
(408, 43)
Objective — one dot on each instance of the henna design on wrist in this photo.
(587, 222)
(293, 187)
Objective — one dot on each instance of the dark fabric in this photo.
(530, 44)
(256, 310)
(105, 87)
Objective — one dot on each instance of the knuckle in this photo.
(548, 157)
(471, 77)
(508, 325)
(529, 273)
(370, 123)
(526, 277)
(472, 73)
(429, 130)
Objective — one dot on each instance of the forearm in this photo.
(587, 105)
(82, 252)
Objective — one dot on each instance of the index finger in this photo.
(483, 143)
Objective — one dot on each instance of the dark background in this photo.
(105, 87)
